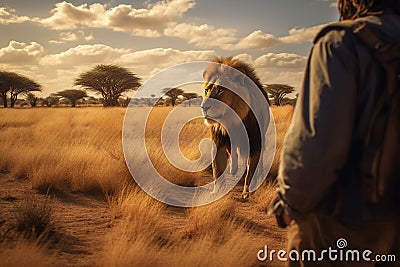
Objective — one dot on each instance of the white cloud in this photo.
(66, 16)
(65, 37)
(8, 17)
(153, 21)
(142, 62)
(68, 36)
(88, 37)
(17, 53)
(277, 68)
(286, 77)
(245, 58)
(142, 22)
(57, 71)
(302, 35)
(148, 62)
(145, 62)
(332, 3)
(257, 40)
(159, 15)
(3, 12)
(281, 60)
(164, 56)
(202, 35)
(207, 36)
(71, 36)
(84, 55)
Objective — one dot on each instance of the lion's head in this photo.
(216, 77)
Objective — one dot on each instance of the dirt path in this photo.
(80, 221)
(84, 221)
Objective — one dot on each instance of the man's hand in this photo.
(283, 219)
(286, 218)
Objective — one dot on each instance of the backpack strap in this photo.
(368, 36)
(387, 54)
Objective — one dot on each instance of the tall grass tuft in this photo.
(34, 217)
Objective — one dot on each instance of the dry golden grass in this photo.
(53, 147)
(82, 147)
(219, 234)
(283, 118)
(158, 236)
(190, 136)
(26, 254)
(81, 150)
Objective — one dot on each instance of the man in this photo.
(339, 88)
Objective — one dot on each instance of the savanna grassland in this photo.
(67, 197)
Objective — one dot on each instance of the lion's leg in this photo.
(251, 168)
(234, 161)
(220, 162)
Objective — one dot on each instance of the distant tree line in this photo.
(111, 82)
(13, 84)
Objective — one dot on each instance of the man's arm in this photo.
(317, 145)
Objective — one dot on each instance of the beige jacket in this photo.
(339, 85)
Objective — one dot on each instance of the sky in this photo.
(53, 42)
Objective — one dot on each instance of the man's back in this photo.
(341, 85)
(371, 79)
(339, 93)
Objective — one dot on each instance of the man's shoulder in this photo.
(335, 32)
(388, 25)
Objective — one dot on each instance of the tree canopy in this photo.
(14, 84)
(72, 95)
(278, 92)
(110, 81)
(190, 96)
(32, 99)
(173, 93)
(51, 100)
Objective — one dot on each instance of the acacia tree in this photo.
(124, 102)
(173, 93)
(15, 84)
(32, 99)
(51, 100)
(4, 86)
(72, 95)
(190, 96)
(110, 81)
(278, 92)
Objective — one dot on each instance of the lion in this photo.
(212, 90)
